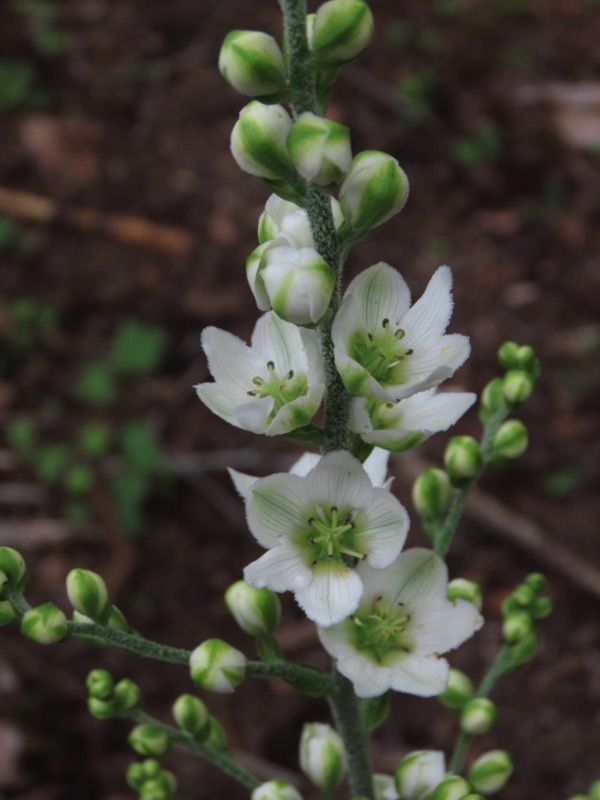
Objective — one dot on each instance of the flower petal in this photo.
(449, 352)
(416, 576)
(296, 413)
(253, 416)
(280, 569)
(279, 341)
(428, 318)
(231, 362)
(425, 676)
(434, 412)
(386, 525)
(242, 482)
(375, 465)
(304, 464)
(383, 294)
(339, 479)
(332, 594)
(439, 627)
(276, 508)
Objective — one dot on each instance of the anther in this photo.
(252, 394)
(257, 381)
(291, 374)
(370, 337)
(400, 333)
(410, 352)
(270, 365)
(385, 322)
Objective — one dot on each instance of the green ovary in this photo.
(381, 631)
(283, 389)
(331, 537)
(381, 353)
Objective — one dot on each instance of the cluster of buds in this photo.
(88, 594)
(13, 577)
(194, 720)
(151, 781)
(107, 699)
(521, 609)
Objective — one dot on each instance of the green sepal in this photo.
(307, 435)
(304, 683)
(374, 711)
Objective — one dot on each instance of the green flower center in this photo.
(381, 631)
(330, 536)
(282, 388)
(381, 353)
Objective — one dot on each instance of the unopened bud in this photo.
(516, 627)
(258, 141)
(451, 788)
(256, 611)
(492, 399)
(463, 589)
(473, 796)
(322, 757)
(127, 696)
(541, 608)
(384, 787)
(88, 594)
(594, 791)
(320, 149)
(537, 582)
(217, 666)
(342, 29)
(101, 709)
(374, 190)
(276, 790)
(419, 773)
(523, 595)
(490, 772)
(215, 738)
(7, 613)
(459, 690)
(283, 219)
(525, 358)
(252, 62)
(478, 716)
(150, 740)
(45, 624)
(191, 715)
(14, 568)
(100, 684)
(517, 386)
(463, 459)
(523, 651)
(507, 355)
(511, 439)
(431, 494)
(138, 774)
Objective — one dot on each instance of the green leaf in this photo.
(51, 461)
(137, 348)
(374, 711)
(95, 384)
(79, 479)
(128, 492)
(21, 435)
(94, 439)
(141, 448)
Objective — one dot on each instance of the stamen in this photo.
(291, 374)
(400, 334)
(270, 365)
(385, 322)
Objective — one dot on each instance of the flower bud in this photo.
(516, 627)
(526, 358)
(478, 716)
(322, 757)
(191, 715)
(490, 772)
(283, 219)
(215, 738)
(384, 787)
(101, 709)
(276, 790)
(507, 355)
(374, 190)
(451, 788)
(100, 684)
(459, 690)
(523, 595)
(150, 740)
(342, 29)
(517, 386)
(419, 773)
(523, 651)
(45, 624)
(7, 613)
(258, 141)
(492, 399)
(88, 594)
(537, 582)
(541, 608)
(252, 62)
(431, 494)
(320, 149)
(594, 791)
(127, 696)
(463, 589)
(256, 611)
(473, 796)
(138, 774)
(162, 788)
(579, 797)
(511, 440)
(14, 568)
(463, 459)
(217, 666)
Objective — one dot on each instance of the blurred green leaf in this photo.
(18, 85)
(137, 348)
(94, 439)
(141, 448)
(79, 479)
(562, 482)
(128, 492)
(95, 384)
(21, 435)
(11, 235)
(76, 512)
(51, 461)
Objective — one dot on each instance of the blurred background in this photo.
(124, 226)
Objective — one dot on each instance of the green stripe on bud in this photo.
(320, 149)
(276, 790)
(490, 772)
(431, 494)
(517, 626)
(341, 31)
(256, 611)
(517, 386)
(7, 613)
(14, 568)
(45, 624)
(384, 787)
(252, 62)
(462, 459)
(217, 666)
(511, 439)
(322, 756)
(478, 716)
(463, 589)
(374, 190)
(492, 399)
(150, 740)
(451, 788)
(191, 715)
(419, 773)
(258, 141)
(88, 594)
(459, 691)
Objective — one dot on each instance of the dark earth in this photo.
(493, 109)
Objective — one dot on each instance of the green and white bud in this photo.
(322, 756)
(517, 626)
(7, 613)
(527, 359)
(127, 696)
(283, 219)
(258, 141)
(478, 716)
(217, 666)
(102, 709)
(150, 740)
(100, 684)
(88, 594)
(45, 624)
(276, 790)
(419, 773)
(320, 149)
(451, 788)
(517, 386)
(492, 396)
(459, 690)
(511, 440)
(384, 787)
(523, 595)
(523, 651)
(463, 589)
(507, 355)
(256, 611)
(341, 31)
(215, 738)
(191, 715)
(462, 459)
(374, 190)
(431, 494)
(252, 62)
(13, 567)
(541, 608)
(490, 772)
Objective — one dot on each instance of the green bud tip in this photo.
(150, 740)
(431, 494)
(127, 695)
(523, 651)
(537, 582)
(342, 29)
(517, 387)
(276, 790)
(256, 611)
(217, 666)
(102, 709)
(451, 788)
(191, 715)
(462, 459)
(492, 395)
(507, 355)
(7, 613)
(511, 440)
(459, 691)
(478, 716)
(463, 589)
(490, 772)
(517, 626)
(45, 624)
(252, 62)
(100, 684)
(320, 149)
(137, 774)
(14, 568)
(88, 594)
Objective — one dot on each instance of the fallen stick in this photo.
(130, 230)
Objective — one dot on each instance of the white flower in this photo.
(419, 773)
(274, 386)
(403, 622)
(383, 347)
(316, 528)
(400, 425)
(283, 219)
